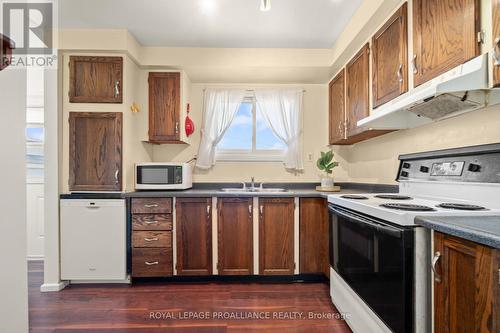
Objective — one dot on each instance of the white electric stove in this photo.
(380, 260)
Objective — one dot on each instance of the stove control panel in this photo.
(453, 165)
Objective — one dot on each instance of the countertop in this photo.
(214, 190)
(480, 229)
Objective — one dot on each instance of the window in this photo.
(248, 138)
(34, 126)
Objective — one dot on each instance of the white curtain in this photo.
(219, 108)
(282, 109)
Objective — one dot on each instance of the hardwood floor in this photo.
(124, 308)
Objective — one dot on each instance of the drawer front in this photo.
(152, 205)
(152, 239)
(152, 222)
(152, 262)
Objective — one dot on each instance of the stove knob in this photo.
(474, 167)
(404, 174)
(406, 165)
(424, 169)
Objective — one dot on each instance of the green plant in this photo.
(325, 162)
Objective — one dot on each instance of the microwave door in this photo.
(153, 175)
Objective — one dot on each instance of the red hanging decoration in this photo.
(189, 125)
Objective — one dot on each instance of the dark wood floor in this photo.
(124, 308)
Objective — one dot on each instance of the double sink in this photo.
(253, 189)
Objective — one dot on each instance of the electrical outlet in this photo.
(310, 157)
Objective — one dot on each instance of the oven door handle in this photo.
(365, 221)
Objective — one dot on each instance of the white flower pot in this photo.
(327, 182)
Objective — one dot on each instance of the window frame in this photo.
(253, 155)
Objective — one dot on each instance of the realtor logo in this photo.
(30, 26)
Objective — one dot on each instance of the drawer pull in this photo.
(435, 260)
(155, 239)
(151, 206)
(151, 263)
(151, 222)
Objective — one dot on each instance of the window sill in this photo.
(248, 157)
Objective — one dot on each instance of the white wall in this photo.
(315, 138)
(13, 275)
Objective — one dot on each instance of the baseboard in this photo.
(51, 287)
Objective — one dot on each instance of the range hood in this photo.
(460, 90)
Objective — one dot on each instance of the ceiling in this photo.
(215, 23)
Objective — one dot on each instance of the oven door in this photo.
(376, 260)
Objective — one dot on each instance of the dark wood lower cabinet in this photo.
(194, 236)
(314, 236)
(466, 293)
(235, 236)
(276, 236)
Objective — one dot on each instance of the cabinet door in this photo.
(95, 79)
(235, 236)
(496, 39)
(95, 151)
(358, 103)
(390, 58)
(164, 107)
(194, 236)
(276, 236)
(314, 236)
(463, 286)
(444, 36)
(336, 108)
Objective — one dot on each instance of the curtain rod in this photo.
(252, 90)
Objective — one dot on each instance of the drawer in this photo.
(152, 262)
(152, 222)
(152, 239)
(152, 205)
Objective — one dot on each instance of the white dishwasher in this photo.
(93, 240)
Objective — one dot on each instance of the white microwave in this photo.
(163, 176)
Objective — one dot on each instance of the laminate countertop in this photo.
(306, 190)
(480, 229)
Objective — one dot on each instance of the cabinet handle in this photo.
(151, 222)
(261, 209)
(117, 88)
(176, 127)
(399, 73)
(496, 52)
(208, 209)
(435, 260)
(250, 209)
(117, 172)
(151, 206)
(151, 263)
(155, 239)
(414, 64)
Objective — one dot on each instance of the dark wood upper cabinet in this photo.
(164, 107)
(390, 58)
(95, 79)
(194, 236)
(336, 107)
(444, 36)
(6, 47)
(358, 97)
(235, 236)
(95, 151)
(314, 236)
(276, 236)
(465, 287)
(496, 41)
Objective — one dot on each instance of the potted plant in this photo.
(327, 164)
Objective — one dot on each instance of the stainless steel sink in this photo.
(255, 189)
